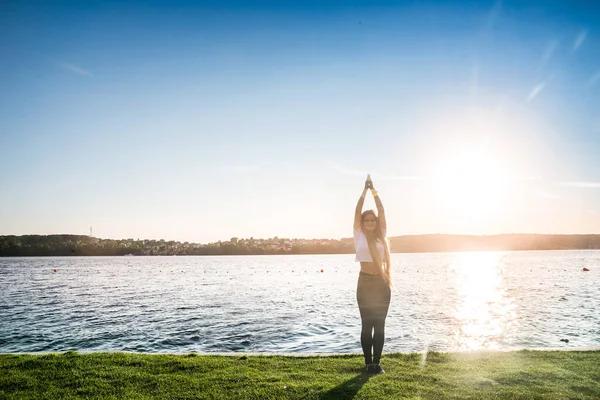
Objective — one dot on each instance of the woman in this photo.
(374, 281)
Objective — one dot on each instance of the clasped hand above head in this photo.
(361, 200)
(369, 183)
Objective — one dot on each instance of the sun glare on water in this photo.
(484, 313)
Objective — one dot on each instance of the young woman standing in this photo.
(373, 291)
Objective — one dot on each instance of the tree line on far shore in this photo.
(81, 245)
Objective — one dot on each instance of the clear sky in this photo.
(201, 121)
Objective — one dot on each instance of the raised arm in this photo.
(359, 207)
(380, 210)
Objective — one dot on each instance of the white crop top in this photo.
(361, 247)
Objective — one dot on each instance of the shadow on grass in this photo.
(346, 390)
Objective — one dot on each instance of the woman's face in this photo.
(369, 223)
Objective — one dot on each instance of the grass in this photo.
(486, 375)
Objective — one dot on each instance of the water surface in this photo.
(440, 301)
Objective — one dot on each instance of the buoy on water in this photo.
(321, 270)
(55, 270)
(585, 269)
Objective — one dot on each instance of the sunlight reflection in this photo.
(484, 313)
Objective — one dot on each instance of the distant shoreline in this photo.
(287, 254)
(80, 245)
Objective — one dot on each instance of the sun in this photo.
(480, 165)
(472, 187)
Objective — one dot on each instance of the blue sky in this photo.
(200, 121)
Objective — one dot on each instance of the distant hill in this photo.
(441, 243)
(80, 245)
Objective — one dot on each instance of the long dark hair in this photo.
(383, 266)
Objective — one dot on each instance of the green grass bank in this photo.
(482, 375)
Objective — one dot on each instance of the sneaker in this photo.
(371, 369)
(376, 369)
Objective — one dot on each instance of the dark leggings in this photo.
(373, 296)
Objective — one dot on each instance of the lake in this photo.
(285, 304)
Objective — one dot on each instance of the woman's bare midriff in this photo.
(369, 268)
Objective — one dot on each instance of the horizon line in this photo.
(321, 238)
